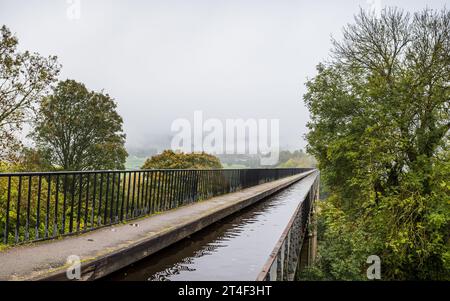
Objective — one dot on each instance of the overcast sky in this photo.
(161, 60)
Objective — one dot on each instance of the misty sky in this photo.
(162, 60)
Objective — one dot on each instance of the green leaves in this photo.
(379, 129)
(78, 129)
(171, 160)
(24, 78)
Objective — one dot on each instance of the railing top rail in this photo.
(49, 173)
(46, 205)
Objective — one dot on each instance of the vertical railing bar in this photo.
(80, 202)
(179, 182)
(197, 184)
(27, 225)
(172, 190)
(133, 195)
(55, 225)
(169, 190)
(163, 191)
(232, 179)
(64, 205)
(144, 192)
(146, 206)
(166, 189)
(8, 201)
(49, 190)
(137, 208)
(188, 187)
(86, 208)
(111, 209)
(206, 184)
(193, 185)
(182, 187)
(141, 198)
(159, 191)
(200, 185)
(155, 192)
(151, 198)
(216, 184)
(100, 199)
(175, 189)
(150, 194)
(128, 195)
(122, 204)
(72, 204)
(116, 217)
(38, 207)
(210, 184)
(205, 174)
(19, 192)
(167, 200)
(105, 213)
(94, 196)
(187, 191)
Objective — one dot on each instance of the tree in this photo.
(379, 128)
(171, 160)
(78, 129)
(24, 78)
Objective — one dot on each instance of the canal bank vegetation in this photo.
(379, 130)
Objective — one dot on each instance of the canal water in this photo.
(235, 248)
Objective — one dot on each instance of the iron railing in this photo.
(37, 206)
(284, 260)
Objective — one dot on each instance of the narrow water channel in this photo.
(235, 248)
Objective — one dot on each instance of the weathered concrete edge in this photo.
(117, 259)
(274, 254)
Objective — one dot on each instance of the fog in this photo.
(163, 60)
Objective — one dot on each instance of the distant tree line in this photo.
(296, 158)
(287, 159)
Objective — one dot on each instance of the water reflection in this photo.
(235, 248)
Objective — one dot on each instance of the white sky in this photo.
(162, 60)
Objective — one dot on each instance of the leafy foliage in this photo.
(171, 160)
(24, 78)
(77, 129)
(18, 211)
(379, 129)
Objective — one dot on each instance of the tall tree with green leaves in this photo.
(78, 129)
(379, 128)
(24, 78)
